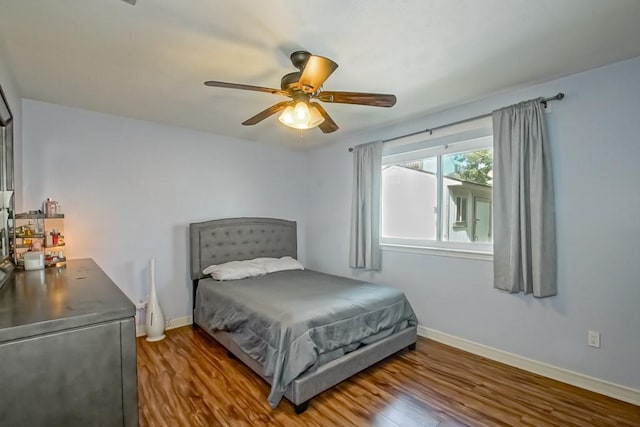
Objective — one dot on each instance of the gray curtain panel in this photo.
(524, 214)
(365, 207)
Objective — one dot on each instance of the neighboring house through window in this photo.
(436, 191)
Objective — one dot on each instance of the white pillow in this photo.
(235, 270)
(281, 264)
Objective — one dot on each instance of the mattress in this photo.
(291, 322)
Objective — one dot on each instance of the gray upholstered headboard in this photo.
(237, 239)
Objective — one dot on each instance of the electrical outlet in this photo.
(594, 339)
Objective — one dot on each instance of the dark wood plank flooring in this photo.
(188, 380)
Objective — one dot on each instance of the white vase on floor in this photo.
(155, 319)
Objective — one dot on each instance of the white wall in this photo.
(596, 155)
(130, 188)
(12, 93)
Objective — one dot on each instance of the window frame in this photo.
(476, 138)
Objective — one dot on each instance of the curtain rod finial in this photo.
(350, 149)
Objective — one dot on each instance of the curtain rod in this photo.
(556, 97)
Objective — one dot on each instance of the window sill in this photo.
(448, 252)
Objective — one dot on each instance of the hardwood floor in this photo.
(188, 380)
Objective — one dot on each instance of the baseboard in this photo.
(170, 324)
(577, 379)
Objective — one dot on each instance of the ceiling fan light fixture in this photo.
(301, 116)
(301, 111)
(303, 86)
(286, 118)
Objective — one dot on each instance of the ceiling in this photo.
(149, 61)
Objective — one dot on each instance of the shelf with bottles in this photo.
(36, 232)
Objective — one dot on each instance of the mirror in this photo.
(6, 176)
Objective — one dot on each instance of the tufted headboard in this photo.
(237, 239)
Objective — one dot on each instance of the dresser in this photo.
(67, 349)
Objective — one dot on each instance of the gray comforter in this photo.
(293, 321)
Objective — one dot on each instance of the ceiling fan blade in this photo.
(266, 113)
(316, 71)
(359, 98)
(214, 83)
(328, 125)
(131, 2)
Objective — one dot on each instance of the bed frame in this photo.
(236, 239)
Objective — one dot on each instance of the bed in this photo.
(302, 331)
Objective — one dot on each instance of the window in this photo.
(459, 211)
(437, 193)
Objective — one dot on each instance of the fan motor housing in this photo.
(299, 59)
(290, 81)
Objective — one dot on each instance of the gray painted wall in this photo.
(129, 188)
(596, 154)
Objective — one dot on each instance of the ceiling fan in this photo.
(304, 87)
